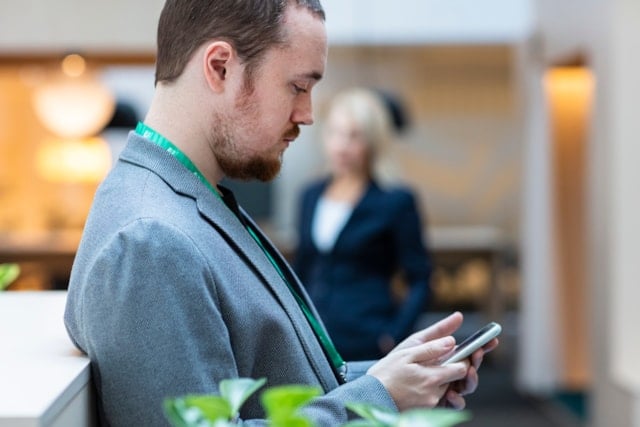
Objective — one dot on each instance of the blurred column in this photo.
(537, 342)
(615, 215)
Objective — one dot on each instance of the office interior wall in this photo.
(90, 27)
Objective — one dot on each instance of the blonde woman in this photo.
(356, 232)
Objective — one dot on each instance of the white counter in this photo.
(44, 379)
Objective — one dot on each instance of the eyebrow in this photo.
(313, 75)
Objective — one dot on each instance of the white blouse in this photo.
(328, 221)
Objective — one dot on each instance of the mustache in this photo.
(292, 133)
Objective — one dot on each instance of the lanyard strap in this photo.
(327, 344)
(153, 136)
(339, 365)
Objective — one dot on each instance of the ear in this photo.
(217, 58)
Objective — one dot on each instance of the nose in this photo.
(303, 112)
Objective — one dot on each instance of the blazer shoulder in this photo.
(315, 186)
(398, 194)
(313, 190)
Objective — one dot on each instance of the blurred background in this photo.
(521, 141)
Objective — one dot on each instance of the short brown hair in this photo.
(251, 26)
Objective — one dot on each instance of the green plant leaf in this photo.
(197, 410)
(293, 421)
(436, 417)
(283, 402)
(179, 415)
(376, 415)
(8, 273)
(236, 391)
(282, 405)
(212, 407)
(361, 423)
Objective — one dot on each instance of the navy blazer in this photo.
(351, 284)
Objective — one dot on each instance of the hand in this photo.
(413, 376)
(412, 373)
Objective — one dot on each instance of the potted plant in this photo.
(8, 273)
(282, 406)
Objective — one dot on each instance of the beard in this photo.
(233, 162)
(237, 165)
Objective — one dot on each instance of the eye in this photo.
(299, 89)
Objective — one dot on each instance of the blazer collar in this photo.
(148, 155)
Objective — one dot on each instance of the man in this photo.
(173, 287)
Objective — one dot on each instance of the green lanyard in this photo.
(339, 365)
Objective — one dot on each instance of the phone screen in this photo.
(475, 336)
(474, 342)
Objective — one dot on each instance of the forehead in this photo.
(305, 49)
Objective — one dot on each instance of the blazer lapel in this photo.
(248, 249)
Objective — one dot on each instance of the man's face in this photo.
(265, 119)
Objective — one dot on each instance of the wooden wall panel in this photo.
(569, 93)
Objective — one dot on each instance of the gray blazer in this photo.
(169, 294)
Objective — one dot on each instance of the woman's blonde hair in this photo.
(372, 116)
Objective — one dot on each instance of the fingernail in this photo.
(449, 342)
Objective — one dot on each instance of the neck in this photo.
(353, 177)
(180, 125)
(347, 187)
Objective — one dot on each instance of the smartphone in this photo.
(474, 342)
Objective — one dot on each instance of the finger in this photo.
(478, 355)
(430, 352)
(455, 400)
(476, 358)
(469, 384)
(459, 371)
(451, 375)
(491, 345)
(442, 328)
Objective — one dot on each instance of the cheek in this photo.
(276, 119)
(335, 148)
(360, 150)
(259, 126)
